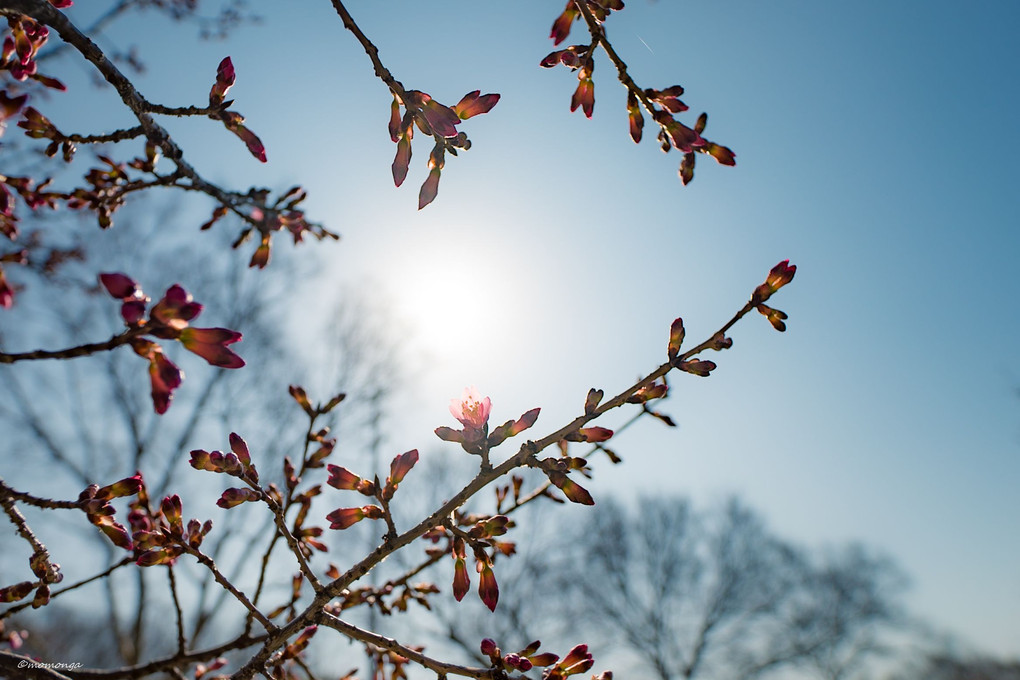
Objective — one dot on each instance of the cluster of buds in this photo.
(299, 395)
(557, 469)
(265, 218)
(694, 366)
(95, 503)
(345, 480)
(488, 589)
(47, 572)
(161, 537)
(38, 126)
(168, 319)
(779, 276)
(661, 104)
(20, 48)
(577, 660)
(600, 9)
(236, 463)
(438, 121)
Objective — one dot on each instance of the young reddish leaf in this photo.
(128, 486)
(232, 497)
(252, 141)
(661, 416)
(544, 659)
(461, 580)
(343, 518)
(342, 478)
(721, 154)
(442, 119)
(211, 345)
(590, 434)
(235, 123)
(572, 490)
(647, 393)
(151, 558)
(512, 428)
(552, 59)
(591, 402)
(117, 534)
(240, 449)
(686, 170)
(165, 378)
(448, 434)
(676, 338)
(636, 119)
(9, 107)
(702, 121)
(775, 317)
(301, 397)
(524, 422)
(401, 160)
(260, 258)
(561, 27)
(488, 590)
(682, 137)
(474, 105)
(584, 97)
(219, 213)
(429, 189)
(296, 647)
(698, 367)
(401, 465)
(394, 124)
(577, 660)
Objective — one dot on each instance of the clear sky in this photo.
(876, 148)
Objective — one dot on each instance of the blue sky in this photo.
(876, 146)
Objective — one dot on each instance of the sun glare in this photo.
(448, 297)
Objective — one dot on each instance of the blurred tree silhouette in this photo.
(674, 592)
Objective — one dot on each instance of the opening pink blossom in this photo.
(471, 409)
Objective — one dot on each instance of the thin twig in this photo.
(222, 580)
(73, 352)
(439, 667)
(181, 642)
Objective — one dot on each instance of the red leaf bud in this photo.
(676, 338)
(488, 590)
(461, 580)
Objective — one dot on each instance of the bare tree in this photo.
(948, 665)
(680, 593)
